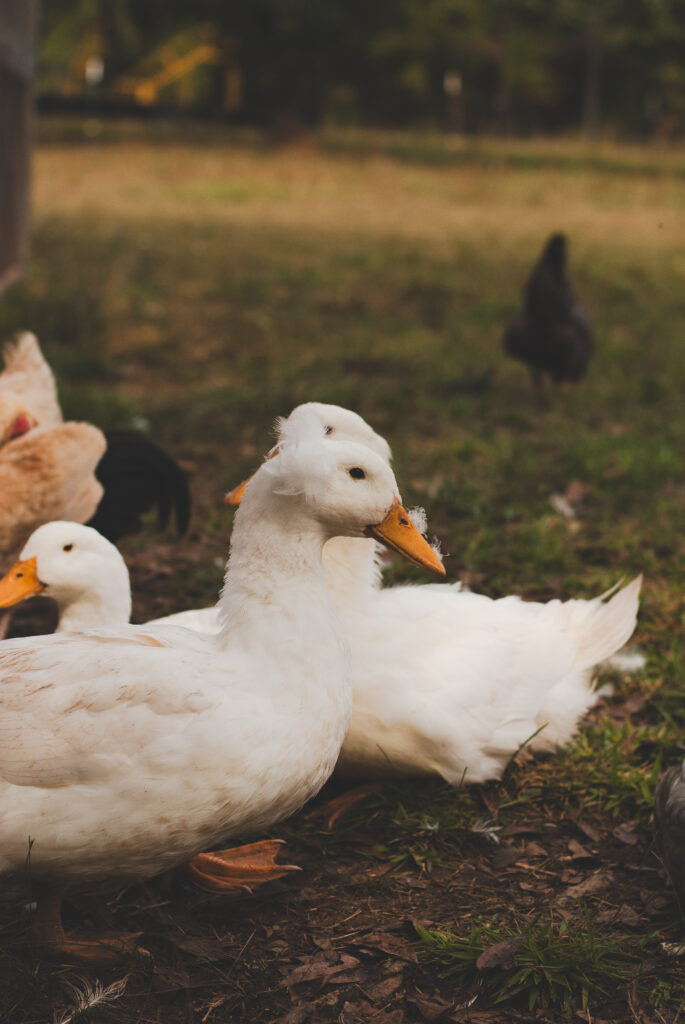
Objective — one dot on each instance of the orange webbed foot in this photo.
(334, 809)
(108, 948)
(238, 869)
(50, 939)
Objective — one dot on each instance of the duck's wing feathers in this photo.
(202, 620)
(67, 717)
(471, 679)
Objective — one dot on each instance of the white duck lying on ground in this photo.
(458, 689)
(467, 679)
(87, 578)
(127, 750)
(494, 673)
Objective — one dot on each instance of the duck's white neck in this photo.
(275, 598)
(93, 610)
(351, 566)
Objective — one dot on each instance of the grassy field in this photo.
(206, 288)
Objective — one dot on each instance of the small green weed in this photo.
(543, 966)
(615, 767)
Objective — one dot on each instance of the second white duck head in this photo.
(79, 569)
(346, 483)
(352, 565)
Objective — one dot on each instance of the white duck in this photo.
(494, 672)
(79, 569)
(88, 580)
(125, 751)
(467, 679)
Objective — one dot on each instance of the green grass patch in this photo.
(542, 965)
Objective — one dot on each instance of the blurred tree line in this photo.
(508, 66)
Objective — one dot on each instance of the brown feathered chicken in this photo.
(55, 470)
(553, 335)
(47, 467)
(669, 826)
(28, 394)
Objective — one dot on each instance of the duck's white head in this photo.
(344, 486)
(336, 423)
(77, 567)
(339, 425)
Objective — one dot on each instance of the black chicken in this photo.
(553, 335)
(138, 476)
(669, 826)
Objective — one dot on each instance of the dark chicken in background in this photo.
(553, 335)
(138, 476)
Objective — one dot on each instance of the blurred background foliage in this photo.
(507, 66)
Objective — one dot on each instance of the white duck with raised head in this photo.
(125, 751)
(467, 679)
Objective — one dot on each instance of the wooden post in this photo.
(17, 34)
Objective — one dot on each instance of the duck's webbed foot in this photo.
(104, 949)
(239, 868)
(49, 937)
(339, 805)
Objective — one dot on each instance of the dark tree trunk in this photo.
(593, 60)
(17, 33)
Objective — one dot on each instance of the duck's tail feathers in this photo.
(609, 624)
(137, 476)
(628, 661)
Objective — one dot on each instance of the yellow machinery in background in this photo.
(174, 65)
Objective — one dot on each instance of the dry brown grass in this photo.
(306, 189)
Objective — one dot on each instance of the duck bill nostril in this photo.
(19, 583)
(235, 496)
(399, 533)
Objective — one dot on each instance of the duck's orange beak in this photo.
(19, 583)
(235, 496)
(399, 533)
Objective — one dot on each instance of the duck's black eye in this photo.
(328, 430)
(357, 473)
(67, 547)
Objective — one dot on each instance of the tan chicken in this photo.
(28, 393)
(47, 467)
(72, 471)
